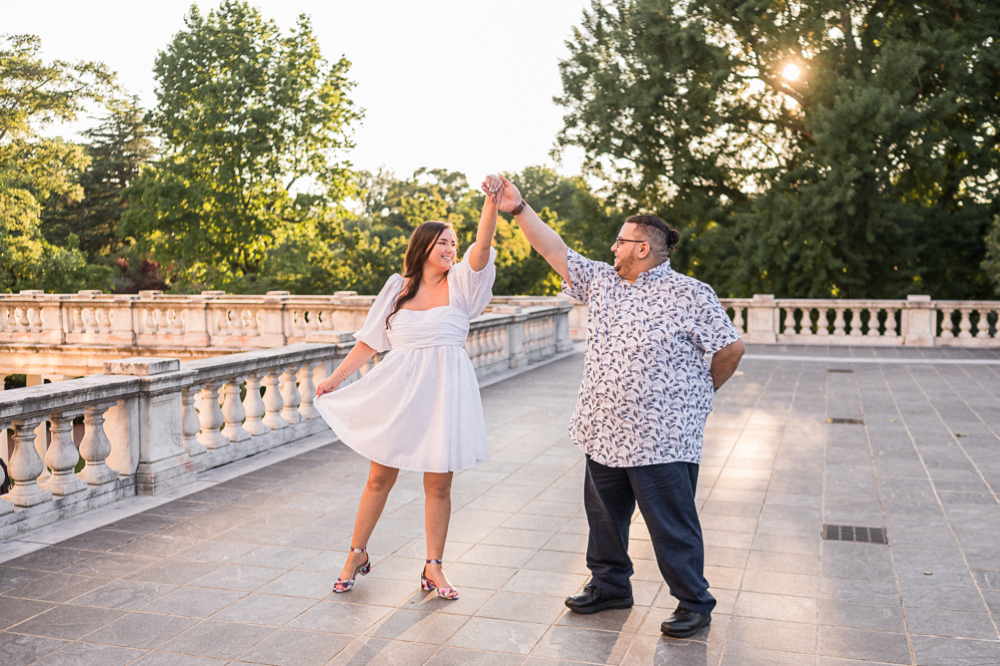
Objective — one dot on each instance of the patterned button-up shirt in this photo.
(646, 387)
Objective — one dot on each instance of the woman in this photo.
(419, 409)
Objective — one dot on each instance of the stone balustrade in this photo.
(148, 424)
(72, 335)
(915, 321)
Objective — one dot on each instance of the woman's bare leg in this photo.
(437, 515)
(380, 482)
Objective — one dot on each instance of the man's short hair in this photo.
(656, 232)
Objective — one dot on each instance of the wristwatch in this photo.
(520, 207)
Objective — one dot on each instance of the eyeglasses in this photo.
(619, 241)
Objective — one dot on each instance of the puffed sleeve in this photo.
(373, 333)
(581, 274)
(471, 290)
(711, 328)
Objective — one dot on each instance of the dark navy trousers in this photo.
(665, 494)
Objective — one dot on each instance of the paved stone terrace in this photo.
(241, 572)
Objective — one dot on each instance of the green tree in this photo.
(117, 148)
(36, 170)
(806, 148)
(252, 124)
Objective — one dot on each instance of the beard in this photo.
(623, 266)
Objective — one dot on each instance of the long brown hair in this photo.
(423, 239)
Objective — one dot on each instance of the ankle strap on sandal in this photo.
(352, 549)
(434, 561)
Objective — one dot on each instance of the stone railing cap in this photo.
(142, 366)
(330, 337)
(920, 298)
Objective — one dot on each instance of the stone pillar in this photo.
(517, 355)
(122, 325)
(919, 321)
(272, 332)
(762, 319)
(51, 308)
(4, 447)
(163, 463)
(42, 431)
(196, 331)
(563, 341)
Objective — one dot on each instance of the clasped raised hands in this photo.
(502, 193)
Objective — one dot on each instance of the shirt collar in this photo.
(653, 273)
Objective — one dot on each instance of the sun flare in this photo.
(791, 72)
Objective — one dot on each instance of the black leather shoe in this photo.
(684, 623)
(594, 600)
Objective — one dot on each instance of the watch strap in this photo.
(520, 207)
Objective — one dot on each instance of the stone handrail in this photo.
(150, 424)
(918, 320)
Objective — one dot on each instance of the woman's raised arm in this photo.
(480, 253)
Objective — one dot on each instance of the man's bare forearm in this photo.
(724, 363)
(545, 240)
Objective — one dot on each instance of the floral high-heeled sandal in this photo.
(346, 585)
(426, 584)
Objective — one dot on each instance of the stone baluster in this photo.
(873, 325)
(308, 391)
(76, 317)
(103, 317)
(233, 412)
(326, 321)
(856, 323)
(95, 447)
(291, 397)
(25, 466)
(314, 320)
(62, 458)
(838, 322)
(947, 324)
(890, 322)
(211, 418)
(983, 327)
(190, 425)
(273, 403)
(738, 318)
(34, 320)
(253, 407)
(965, 324)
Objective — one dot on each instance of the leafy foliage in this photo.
(252, 123)
(872, 174)
(35, 169)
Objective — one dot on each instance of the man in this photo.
(641, 412)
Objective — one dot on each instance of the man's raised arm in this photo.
(542, 237)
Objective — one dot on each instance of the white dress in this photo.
(419, 408)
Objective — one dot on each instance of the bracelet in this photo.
(520, 207)
(341, 371)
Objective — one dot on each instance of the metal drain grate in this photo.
(852, 533)
(846, 421)
(838, 370)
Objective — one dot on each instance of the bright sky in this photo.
(457, 84)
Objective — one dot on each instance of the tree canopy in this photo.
(812, 149)
(253, 124)
(36, 170)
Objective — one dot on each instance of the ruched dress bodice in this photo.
(419, 408)
(445, 326)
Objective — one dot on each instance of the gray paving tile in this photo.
(124, 594)
(141, 630)
(67, 622)
(266, 609)
(197, 602)
(931, 651)
(11, 577)
(523, 607)
(459, 657)
(57, 587)
(219, 640)
(289, 647)
(18, 650)
(951, 624)
(15, 611)
(864, 645)
(578, 644)
(861, 616)
(646, 650)
(498, 635)
(173, 659)
(238, 577)
(85, 654)
(342, 618)
(418, 626)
